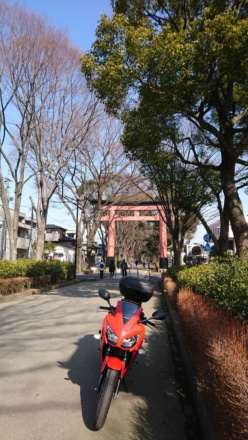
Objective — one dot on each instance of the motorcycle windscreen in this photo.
(128, 310)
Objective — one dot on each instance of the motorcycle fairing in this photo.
(125, 324)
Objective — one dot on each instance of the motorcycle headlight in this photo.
(112, 337)
(130, 342)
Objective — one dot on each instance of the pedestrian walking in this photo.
(101, 268)
(112, 268)
(124, 267)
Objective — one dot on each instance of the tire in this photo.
(105, 397)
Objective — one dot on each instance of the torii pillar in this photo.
(163, 255)
(111, 236)
(112, 217)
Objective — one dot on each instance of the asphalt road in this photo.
(49, 369)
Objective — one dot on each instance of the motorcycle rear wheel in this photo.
(105, 397)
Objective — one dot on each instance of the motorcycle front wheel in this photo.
(105, 397)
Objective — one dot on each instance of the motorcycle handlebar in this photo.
(112, 309)
(150, 323)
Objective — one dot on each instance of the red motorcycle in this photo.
(121, 338)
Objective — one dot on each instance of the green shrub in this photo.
(57, 270)
(223, 281)
(173, 271)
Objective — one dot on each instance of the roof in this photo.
(69, 239)
(65, 245)
(51, 226)
(130, 203)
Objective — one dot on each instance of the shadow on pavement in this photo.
(83, 370)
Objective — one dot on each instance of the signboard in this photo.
(207, 238)
(207, 248)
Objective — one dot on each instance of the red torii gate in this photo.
(113, 216)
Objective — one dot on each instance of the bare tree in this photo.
(99, 171)
(16, 120)
(46, 111)
(64, 111)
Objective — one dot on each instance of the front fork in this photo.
(116, 364)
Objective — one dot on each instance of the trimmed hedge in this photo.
(217, 347)
(57, 270)
(223, 281)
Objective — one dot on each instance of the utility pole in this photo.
(76, 244)
(31, 232)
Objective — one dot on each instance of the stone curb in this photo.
(204, 418)
(19, 295)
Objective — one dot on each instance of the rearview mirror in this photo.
(159, 315)
(104, 294)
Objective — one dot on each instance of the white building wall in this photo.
(63, 253)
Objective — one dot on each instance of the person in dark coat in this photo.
(101, 268)
(112, 268)
(124, 267)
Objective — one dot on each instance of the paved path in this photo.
(50, 366)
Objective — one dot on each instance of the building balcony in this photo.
(52, 236)
(22, 243)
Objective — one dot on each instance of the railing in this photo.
(136, 271)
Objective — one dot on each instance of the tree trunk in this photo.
(235, 209)
(237, 220)
(177, 251)
(90, 259)
(10, 220)
(40, 238)
(224, 229)
(12, 235)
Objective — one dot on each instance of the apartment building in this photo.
(27, 235)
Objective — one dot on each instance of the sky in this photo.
(78, 18)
